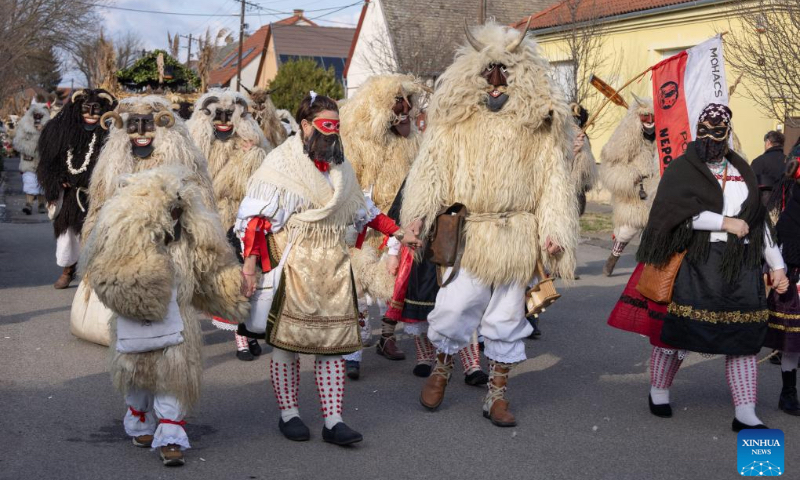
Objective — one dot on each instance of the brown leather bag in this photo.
(656, 283)
(446, 244)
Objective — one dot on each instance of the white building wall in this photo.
(374, 53)
(249, 74)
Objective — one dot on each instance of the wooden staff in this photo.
(608, 100)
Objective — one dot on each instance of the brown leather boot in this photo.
(387, 347)
(432, 393)
(608, 268)
(143, 441)
(495, 407)
(171, 455)
(66, 278)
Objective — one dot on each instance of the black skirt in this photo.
(422, 290)
(709, 315)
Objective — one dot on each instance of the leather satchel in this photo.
(446, 243)
(657, 282)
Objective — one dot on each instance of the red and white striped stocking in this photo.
(470, 357)
(285, 374)
(742, 374)
(426, 352)
(329, 374)
(241, 342)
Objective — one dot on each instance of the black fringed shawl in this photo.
(788, 226)
(688, 188)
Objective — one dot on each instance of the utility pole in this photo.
(482, 13)
(242, 26)
(189, 53)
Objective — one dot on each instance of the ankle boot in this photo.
(495, 406)
(27, 209)
(67, 275)
(432, 393)
(788, 401)
(387, 347)
(608, 268)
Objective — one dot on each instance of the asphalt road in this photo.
(580, 399)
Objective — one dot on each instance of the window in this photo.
(244, 55)
(229, 60)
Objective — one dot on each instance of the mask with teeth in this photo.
(37, 121)
(496, 76)
(91, 112)
(402, 124)
(648, 126)
(223, 123)
(141, 130)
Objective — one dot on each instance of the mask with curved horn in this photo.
(638, 100)
(112, 115)
(164, 119)
(515, 44)
(243, 103)
(249, 92)
(478, 46)
(208, 101)
(111, 100)
(78, 94)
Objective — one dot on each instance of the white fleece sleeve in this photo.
(772, 254)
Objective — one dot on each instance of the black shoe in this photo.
(353, 369)
(478, 378)
(341, 434)
(775, 359)
(245, 355)
(738, 426)
(788, 401)
(536, 333)
(42, 208)
(295, 430)
(663, 411)
(27, 209)
(423, 370)
(254, 347)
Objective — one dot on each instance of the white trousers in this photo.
(68, 248)
(155, 407)
(498, 313)
(30, 184)
(625, 233)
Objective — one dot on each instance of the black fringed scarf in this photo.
(688, 188)
(786, 200)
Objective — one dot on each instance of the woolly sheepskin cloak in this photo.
(509, 168)
(230, 163)
(133, 273)
(626, 158)
(26, 137)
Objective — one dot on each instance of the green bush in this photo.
(296, 78)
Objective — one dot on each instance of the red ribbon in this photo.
(381, 223)
(137, 413)
(172, 422)
(322, 166)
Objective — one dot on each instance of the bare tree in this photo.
(129, 45)
(207, 48)
(584, 36)
(765, 50)
(417, 58)
(28, 26)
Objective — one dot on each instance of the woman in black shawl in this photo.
(783, 333)
(708, 205)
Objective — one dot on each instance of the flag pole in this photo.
(594, 116)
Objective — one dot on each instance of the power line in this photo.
(164, 13)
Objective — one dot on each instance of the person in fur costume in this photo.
(267, 117)
(26, 143)
(144, 133)
(232, 141)
(294, 219)
(68, 150)
(584, 167)
(629, 170)
(381, 140)
(157, 257)
(499, 140)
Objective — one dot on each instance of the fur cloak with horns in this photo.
(508, 167)
(26, 138)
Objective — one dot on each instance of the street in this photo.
(580, 399)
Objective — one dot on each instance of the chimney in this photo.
(298, 12)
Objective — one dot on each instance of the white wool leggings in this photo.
(68, 248)
(329, 376)
(160, 415)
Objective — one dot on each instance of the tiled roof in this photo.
(255, 44)
(426, 33)
(312, 41)
(571, 11)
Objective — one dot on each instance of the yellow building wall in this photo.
(640, 43)
(270, 67)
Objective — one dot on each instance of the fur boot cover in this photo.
(171, 142)
(71, 138)
(27, 135)
(132, 266)
(508, 167)
(584, 167)
(267, 116)
(627, 158)
(232, 161)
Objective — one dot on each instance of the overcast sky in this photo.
(152, 28)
